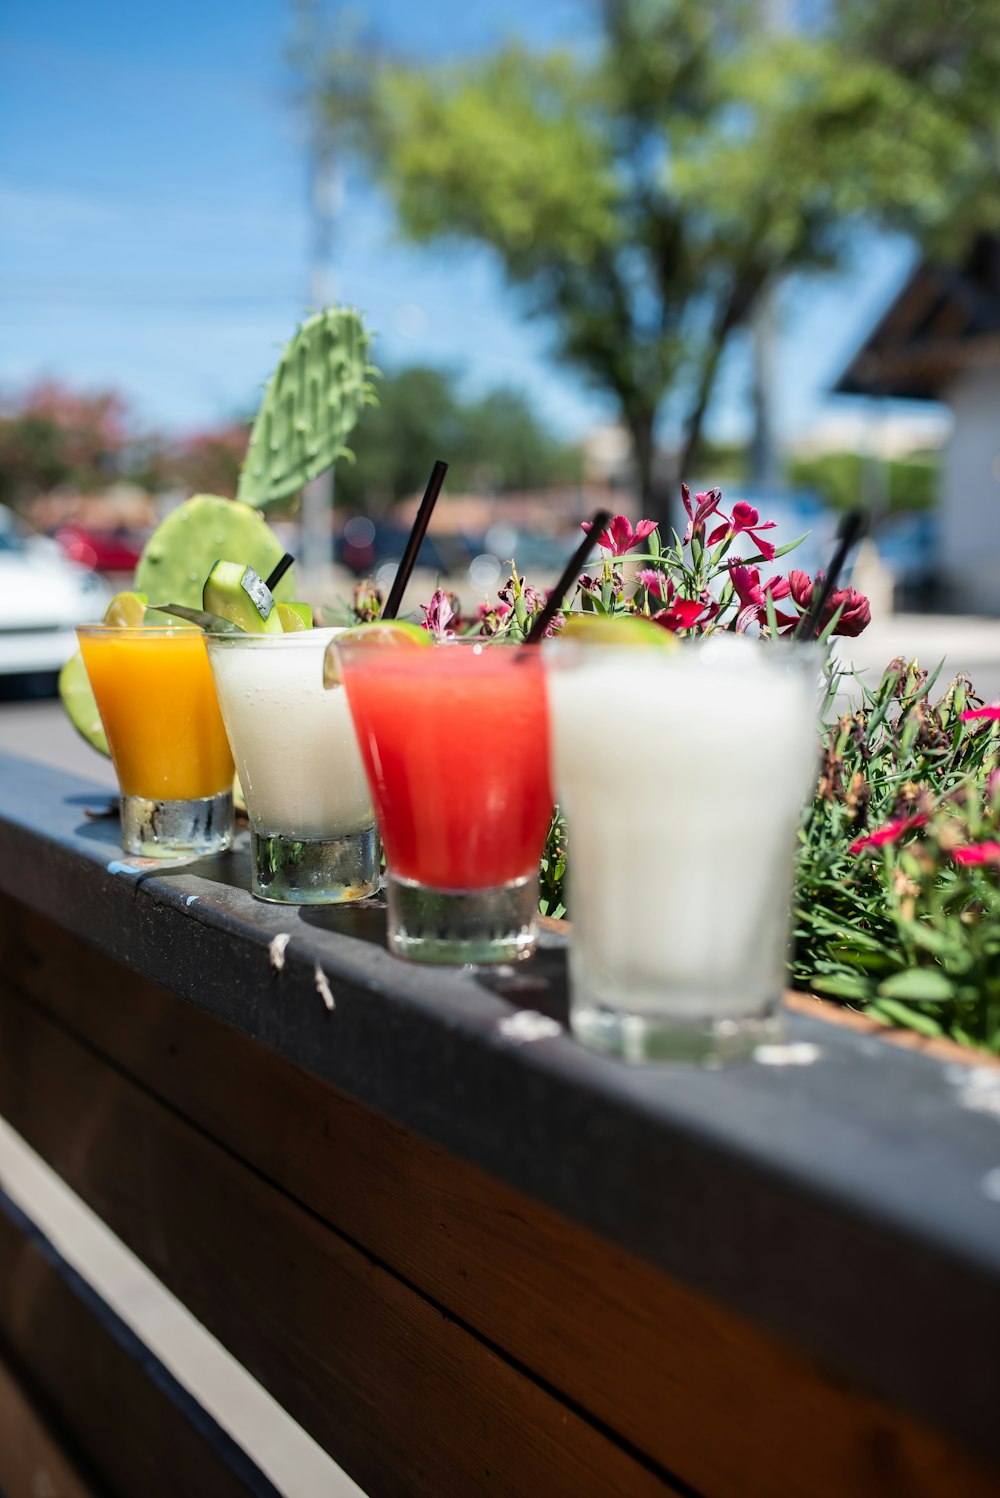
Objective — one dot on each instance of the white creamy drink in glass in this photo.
(682, 775)
(313, 835)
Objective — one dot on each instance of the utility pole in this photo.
(316, 512)
(763, 447)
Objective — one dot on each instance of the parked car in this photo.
(105, 551)
(42, 596)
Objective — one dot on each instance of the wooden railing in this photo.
(465, 1254)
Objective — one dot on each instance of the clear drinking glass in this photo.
(682, 775)
(157, 702)
(312, 829)
(453, 739)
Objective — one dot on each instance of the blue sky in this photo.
(154, 235)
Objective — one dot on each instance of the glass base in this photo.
(177, 829)
(458, 926)
(314, 871)
(660, 1036)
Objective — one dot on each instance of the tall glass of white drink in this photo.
(682, 775)
(312, 828)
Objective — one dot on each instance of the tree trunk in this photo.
(655, 495)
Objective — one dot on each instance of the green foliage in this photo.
(904, 928)
(495, 443)
(839, 479)
(642, 191)
(310, 407)
(552, 870)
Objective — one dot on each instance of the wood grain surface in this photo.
(699, 1392)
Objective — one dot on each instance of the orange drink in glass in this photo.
(157, 701)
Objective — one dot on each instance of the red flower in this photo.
(753, 596)
(619, 537)
(991, 713)
(857, 613)
(746, 519)
(683, 613)
(890, 833)
(976, 853)
(704, 505)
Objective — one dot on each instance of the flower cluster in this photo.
(696, 586)
(693, 587)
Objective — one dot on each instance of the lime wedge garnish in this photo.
(622, 630)
(126, 610)
(382, 634)
(295, 616)
(78, 700)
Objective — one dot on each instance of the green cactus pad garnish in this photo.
(182, 550)
(312, 402)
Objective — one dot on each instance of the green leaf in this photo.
(910, 1019)
(928, 985)
(846, 986)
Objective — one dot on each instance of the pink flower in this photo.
(491, 617)
(704, 505)
(652, 581)
(746, 519)
(752, 595)
(440, 613)
(619, 537)
(991, 713)
(857, 613)
(977, 853)
(890, 833)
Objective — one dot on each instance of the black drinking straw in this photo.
(567, 578)
(275, 577)
(808, 627)
(417, 534)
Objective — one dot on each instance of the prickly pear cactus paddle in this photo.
(315, 396)
(183, 549)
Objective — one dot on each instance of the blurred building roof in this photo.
(943, 321)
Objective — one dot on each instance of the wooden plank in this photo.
(124, 1411)
(649, 1358)
(407, 1400)
(33, 1462)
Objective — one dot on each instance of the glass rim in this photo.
(473, 643)
(138, 631)
(566, 653)
(295, 639)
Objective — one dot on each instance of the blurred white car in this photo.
(42, 596)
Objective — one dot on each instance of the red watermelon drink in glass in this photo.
(453, 738)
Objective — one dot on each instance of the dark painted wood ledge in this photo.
(843, 1196)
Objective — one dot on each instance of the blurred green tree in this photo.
(494, 443)
(839, 478)
(642, 192)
